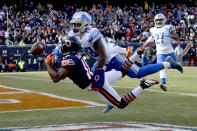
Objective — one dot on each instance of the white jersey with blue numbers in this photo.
(162, 39)
(87, 40)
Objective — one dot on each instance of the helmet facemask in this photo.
(159, 23)
(160, 20)
(80, 22)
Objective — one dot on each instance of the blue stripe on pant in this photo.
(134, 71)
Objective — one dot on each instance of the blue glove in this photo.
(57, 54)
(98, 80)
(56, 59)
(94, 66)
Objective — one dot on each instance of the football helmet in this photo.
(70, 45)
(80, 22)
(160, 20)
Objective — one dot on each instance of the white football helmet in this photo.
(160, 20)
(80, 22)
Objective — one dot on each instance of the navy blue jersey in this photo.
(79, 71)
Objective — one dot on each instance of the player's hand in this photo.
(49, 58)
(57, 55)
(98, 79)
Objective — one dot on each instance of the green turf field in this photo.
(178, 106)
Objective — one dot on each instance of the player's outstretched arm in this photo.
(56, 75)
(100, 50)
(187, 47)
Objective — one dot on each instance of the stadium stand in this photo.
(25, 22)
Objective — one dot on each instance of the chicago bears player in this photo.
(162, 35)
(94, 44)
(74, 67)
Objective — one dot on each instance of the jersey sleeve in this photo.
(70, 33)
(69, 62)
(95, 36)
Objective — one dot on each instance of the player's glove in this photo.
(57, 55)
(94, 67)
(98, 79)
(49, 58)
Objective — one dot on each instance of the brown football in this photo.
(38, 48)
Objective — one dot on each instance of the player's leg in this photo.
(109, 95)
(146, 70)
(134, 71)
(117, 62)
(161, 58)
(190, 61)
(195, 60)
(174, 57)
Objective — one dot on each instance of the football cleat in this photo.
(147, 83)
(174, 65)
(108, 108)
(163, 87)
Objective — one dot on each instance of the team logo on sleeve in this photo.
(67, 62)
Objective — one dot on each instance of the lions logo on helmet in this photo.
(70, 45)
(160, 20)
(80, 22)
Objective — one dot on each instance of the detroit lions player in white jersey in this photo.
(93, 42)
(163, 35)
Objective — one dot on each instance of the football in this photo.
(38, 48)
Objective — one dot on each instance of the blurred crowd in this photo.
(27, 23)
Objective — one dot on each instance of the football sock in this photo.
(163, 76)
(137, 91)
(133, 57)
(166, 65)
(126, 66)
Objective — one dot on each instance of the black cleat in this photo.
(163, 87)
(147, 83)
(174, 65)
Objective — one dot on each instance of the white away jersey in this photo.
(162, 39)
(87, 40)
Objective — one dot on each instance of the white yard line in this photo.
(68, 81)
(9, 101)
(48, 109)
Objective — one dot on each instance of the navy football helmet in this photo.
(70, 45)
